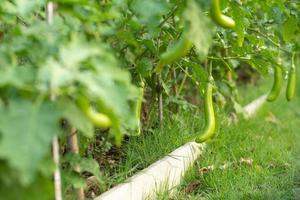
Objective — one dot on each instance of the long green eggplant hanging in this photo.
(180, 49)
(277, 84)
(209, 113)
(291, 85)
(138, 107)
(219, 18)
(99, 120)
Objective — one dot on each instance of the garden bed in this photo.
(166, 173)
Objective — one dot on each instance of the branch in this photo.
(270, 40)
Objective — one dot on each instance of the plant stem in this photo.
(174, 76)
(160, 100)
(161, 113)
(188, 75)
(168, 16)
(229, 57)
(182, 84)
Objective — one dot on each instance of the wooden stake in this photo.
(160, 101)
(57, 177)
(74, 148)
(50, 12)
(55, 144)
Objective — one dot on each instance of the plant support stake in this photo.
(57, 177)
(55, 144)
(160, 101)
(74, 148)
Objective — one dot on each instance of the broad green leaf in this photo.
(27, 131)
(150, 45)
(53, 76)
(199, 75)
(199, 72)
(24, 7)
(259, 64)
(85, 165)
(8, 7)
(239, 17)
(111, 89)
(144, 67)
(150, 12)
(76, 117)
(20, 77)
(199, 27)
(91, 166)
(41, 189)
(77, 51)
(289, 29)
(72, 179)
(128, 38)
(224, 88)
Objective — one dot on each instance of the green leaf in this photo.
(71, 178)
(24, 7)
(76, 117)
(150, 12)
(91, 166)
(41, 189)
(239, 16)
(144, 67)
(259, 64)
(27, 131)
(199, 72)
(85, 165)
(199, 75)
(150, 45)
(128, 37)
(53, 76)
(77, 51)
(19, 77)
(289, 29)
(199, 27)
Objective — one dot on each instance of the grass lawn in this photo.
(140, 152)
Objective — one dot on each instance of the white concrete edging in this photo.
(167, 172)
(253, 107)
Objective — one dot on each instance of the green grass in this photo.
(140, 152)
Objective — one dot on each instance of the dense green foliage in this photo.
(103, 51)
